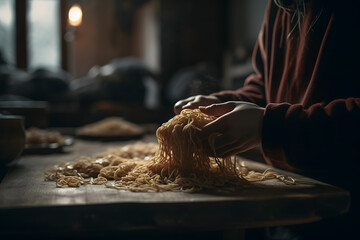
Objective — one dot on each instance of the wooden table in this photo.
(31, 206)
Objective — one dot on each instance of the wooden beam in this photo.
(21, 34)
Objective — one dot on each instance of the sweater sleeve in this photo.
(319, 138)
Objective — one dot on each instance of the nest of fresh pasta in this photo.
(36, 136)
(111, 128)
(180, 161)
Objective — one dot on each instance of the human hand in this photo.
(237, 129)
(194, 102)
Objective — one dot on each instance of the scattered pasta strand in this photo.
(179, 162)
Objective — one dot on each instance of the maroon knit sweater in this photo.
(309, 82)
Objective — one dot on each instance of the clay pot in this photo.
(12, 138)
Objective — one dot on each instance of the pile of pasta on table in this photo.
(180, 161)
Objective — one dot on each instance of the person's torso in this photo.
(317, 63)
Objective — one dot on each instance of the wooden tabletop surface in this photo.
(28, 203)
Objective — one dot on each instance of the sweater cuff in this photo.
(273, 136)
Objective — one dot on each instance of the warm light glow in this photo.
(75, 15)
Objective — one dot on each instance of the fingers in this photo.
(220, 124)
(195, 102)
(218, 109)
(223, 140)
(181, 104)
(233, 148)
(237, 129)
(228, 143)
(225, 146)
(191, 105)
(184, 105)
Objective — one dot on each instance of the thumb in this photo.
(217, 109)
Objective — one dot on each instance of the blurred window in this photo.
(41, 46)
(43, 30)
(7, 30)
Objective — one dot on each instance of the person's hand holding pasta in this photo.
(194, 102)
(237, 128)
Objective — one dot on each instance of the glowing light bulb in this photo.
(75, 15)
